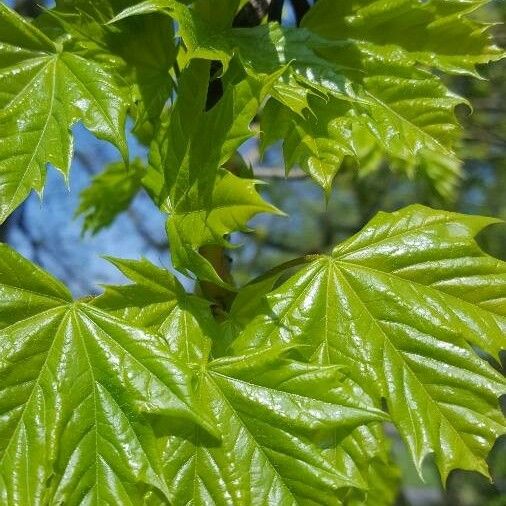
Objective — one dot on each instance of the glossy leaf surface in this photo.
(275, 415)
(280, 392)
(400, 304)
(204, 201)
(76, 385)
(364, 55)
(142, 52)
(278, 418)
(44, 90)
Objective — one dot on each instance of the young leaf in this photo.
(438, 34)
(147, 46)
(146, 7)
(205, 202)
(142, 52)
(275, 415)
(318, 143)
(234, 201)
(75, 387)
(109, 194)
(418, 108)
(18, 277)
(44, 89)
(220, 14)
(365, 56)
(157, 302)
(399, 304)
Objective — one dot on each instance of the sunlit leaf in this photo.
(44, 90)
(204, 201)
(277, 417)
(400, 304)
(76, 386)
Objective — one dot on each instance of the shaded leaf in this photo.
(142, 52)
(438, 34)
(365, 56)
(109, 194)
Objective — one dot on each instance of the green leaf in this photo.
(438, 34)
(233, 203)
(411, 119)
(148, 48)
(384, 479)
(377, 103)
(205, 202)
(277, 417)
(400, 304)
(146, 7)
(25, 289)
(142, 51)
(157, 302)
(76, 386)
(318, 144)
(150, 395)
(221, 13)
(373, 58)
(44, 90)
(365, 455)
(250, 299)
(109, 194)
(190, 165)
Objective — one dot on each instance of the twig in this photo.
(279, 173)
(300, 7)
(251, 14)
(276, 10)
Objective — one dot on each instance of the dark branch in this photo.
(276, 10)
(29, 8)
(300, 7)
(215, 89)
(251, 14)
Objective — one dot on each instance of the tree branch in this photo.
(221, 262)
(300, 7)
(279, 174)
(276, 10)
(29, 8)
(251, 14)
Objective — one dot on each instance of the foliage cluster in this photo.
(277, 392)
